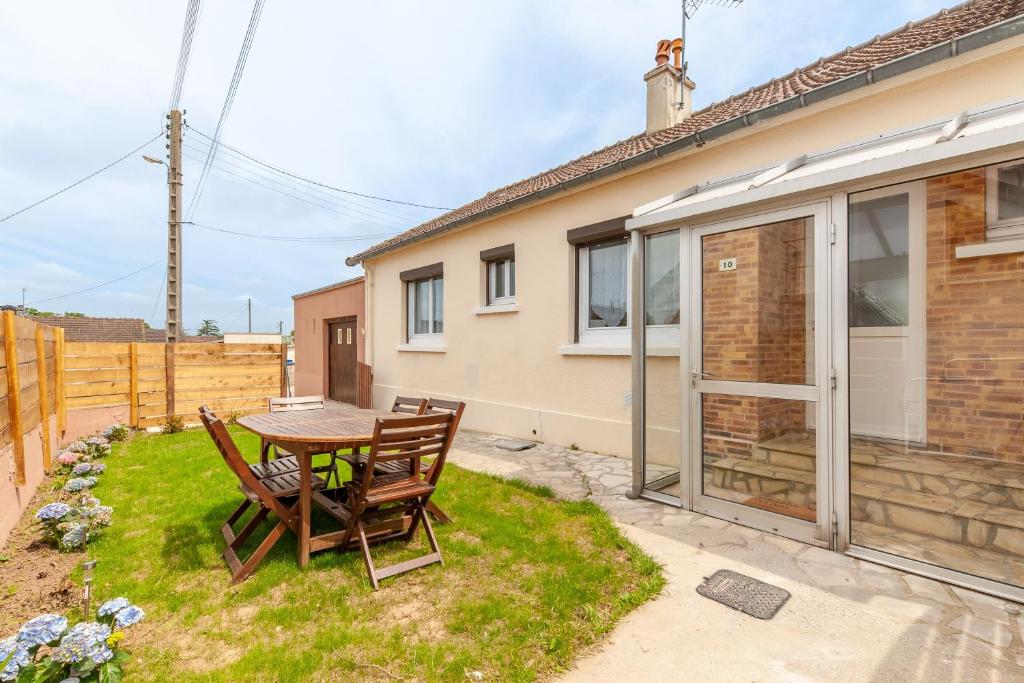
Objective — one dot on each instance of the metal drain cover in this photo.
(744, 593)
(513, 445)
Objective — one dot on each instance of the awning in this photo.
(995, 127)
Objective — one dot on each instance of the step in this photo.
(978, 561)
(886, 463)
(751, 478)
(964, 521)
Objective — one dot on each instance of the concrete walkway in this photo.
(846, 620)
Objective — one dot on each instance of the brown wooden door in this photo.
(342, 340)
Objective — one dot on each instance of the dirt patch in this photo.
(34, 577)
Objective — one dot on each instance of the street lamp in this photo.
(154, 161)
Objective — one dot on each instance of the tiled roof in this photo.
(98, 329)
(908, 39)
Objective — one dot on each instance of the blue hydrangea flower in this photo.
(75, 485)
(81, 468)
(129, 616)
(75, 537)
(42, 630)
(19, 654)
(77, 447)
(98, 515)
(86, 640)
(113, 606)
(99, 468)
(52, 512)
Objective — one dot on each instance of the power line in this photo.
(102, 284)
(376, 210)
(358, 216)
(292, 238)
(156, 304)
(315, 182)
(79, 182)
(229, 100)
(191, 19)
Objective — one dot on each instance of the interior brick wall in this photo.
(975, 328)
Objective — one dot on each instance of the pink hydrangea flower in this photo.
(68, 458)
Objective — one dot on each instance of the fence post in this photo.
(14, 398)
(58, 379)
(44, 395)
(133, 385)
(284, 370)
(169, 378)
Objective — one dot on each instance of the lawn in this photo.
(529, 582)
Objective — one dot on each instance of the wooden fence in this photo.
(158, 380)
(29, 388)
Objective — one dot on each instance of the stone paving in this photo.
(847, 618)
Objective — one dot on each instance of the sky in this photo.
(431, 103)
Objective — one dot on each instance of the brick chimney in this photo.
(664, 82)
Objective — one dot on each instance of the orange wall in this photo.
(313, 312)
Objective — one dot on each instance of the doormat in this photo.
(782, 507)
(515, 445)
(744, 593)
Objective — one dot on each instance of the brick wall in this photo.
(975, 344)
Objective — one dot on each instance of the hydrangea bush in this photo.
(70, 527)
(88, 651)
(116, 432)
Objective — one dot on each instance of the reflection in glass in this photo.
(661, 279)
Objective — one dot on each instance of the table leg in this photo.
(305, 460)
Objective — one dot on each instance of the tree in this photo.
(208, 328)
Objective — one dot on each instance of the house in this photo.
(329, 340)
(830, 271)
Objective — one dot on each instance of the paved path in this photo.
(846, 620)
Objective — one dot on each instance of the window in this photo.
(501, 282)
(879, 292)
(605, 285)
(424, 292)
(1005, 200)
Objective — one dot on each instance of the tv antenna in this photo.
(690, 8)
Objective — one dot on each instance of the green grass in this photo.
(528, 582)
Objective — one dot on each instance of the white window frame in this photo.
(423, 338)
(507, 266)
(995, 229)
(614, 337)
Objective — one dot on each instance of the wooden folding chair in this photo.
(410, 406)
(357, 461)
(272, 494)
(380, 508)
(283, 461)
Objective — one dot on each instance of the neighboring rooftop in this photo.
(327, 288)
(843, 71)
(97, 329)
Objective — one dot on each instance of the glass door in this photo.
(759, 373)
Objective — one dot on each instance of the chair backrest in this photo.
(437, 406)
(236, 463)
(407, 438)
(408, 405)
(281, 405)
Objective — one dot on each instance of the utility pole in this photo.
(173, 324)
(250, 316)
(280, 327)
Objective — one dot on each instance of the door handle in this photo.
(697, 375)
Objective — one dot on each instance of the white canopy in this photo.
(968, 133)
